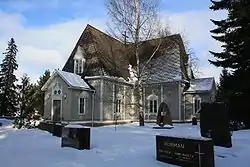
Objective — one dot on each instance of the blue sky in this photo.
(47, 30)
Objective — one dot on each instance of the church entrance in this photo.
(56, 110)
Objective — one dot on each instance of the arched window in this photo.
(152, 103)
(79, 66)
(196, 104)
(82, 103)
(118, 103)
(79, 61)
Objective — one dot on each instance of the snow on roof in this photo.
(201, 84)
(72, 79)
(74, 126)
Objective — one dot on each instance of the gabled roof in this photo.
(115, 57)
(73, 80)
(201, 85)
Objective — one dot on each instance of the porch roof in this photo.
(73, 80)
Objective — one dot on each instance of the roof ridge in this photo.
(88, 25)
(167, 36)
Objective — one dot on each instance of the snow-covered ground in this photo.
(130, 145)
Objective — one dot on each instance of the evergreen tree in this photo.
(39, 95)
(8, 94)
(224, 89)
(26, 110)
(234, 33)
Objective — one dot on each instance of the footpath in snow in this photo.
(130, 145)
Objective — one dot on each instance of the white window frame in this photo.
(118, 98)
(118, 108)
(79, 105)
(77, 64)
(198, 99)
(153, 98)
(153, 106)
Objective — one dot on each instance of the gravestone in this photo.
(1, 124)
(57, 130)
(194, 121)
(191, 152)
(46, 126)
(214, 123)
(76, 136)
(164, 115)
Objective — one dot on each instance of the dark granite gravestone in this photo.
(57, 130)
(194, 121)
(1, 124)
(214, 123)
(196, 152)
(46, 126)
(164, 115)
(76, 136)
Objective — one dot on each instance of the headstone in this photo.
(1, 124)
(164, 115)
(76, 136)
(46, 126)
(196, 152)
(57, 130)
(194, 121)
(214, 123)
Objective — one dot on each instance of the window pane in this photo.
(81, 105)
(80, 66)
(150, 106)
(155, 106)
(76, 65)
(119, 106)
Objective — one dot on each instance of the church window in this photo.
(78, 66)
(152, 103)
(118, 106)
(153, 106)
(197, 104)
(82, 102)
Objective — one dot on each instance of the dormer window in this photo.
(79, 60)
(79, 66)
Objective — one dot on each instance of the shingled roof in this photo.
(114, 57)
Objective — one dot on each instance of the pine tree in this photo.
(234, 33)
(8, 94)
(39, 95)
(26, 110)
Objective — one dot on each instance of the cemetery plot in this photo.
(185, 152)
(129, 145)
(76, 136)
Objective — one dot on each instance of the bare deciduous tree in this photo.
(136, 21)
(193, 59)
